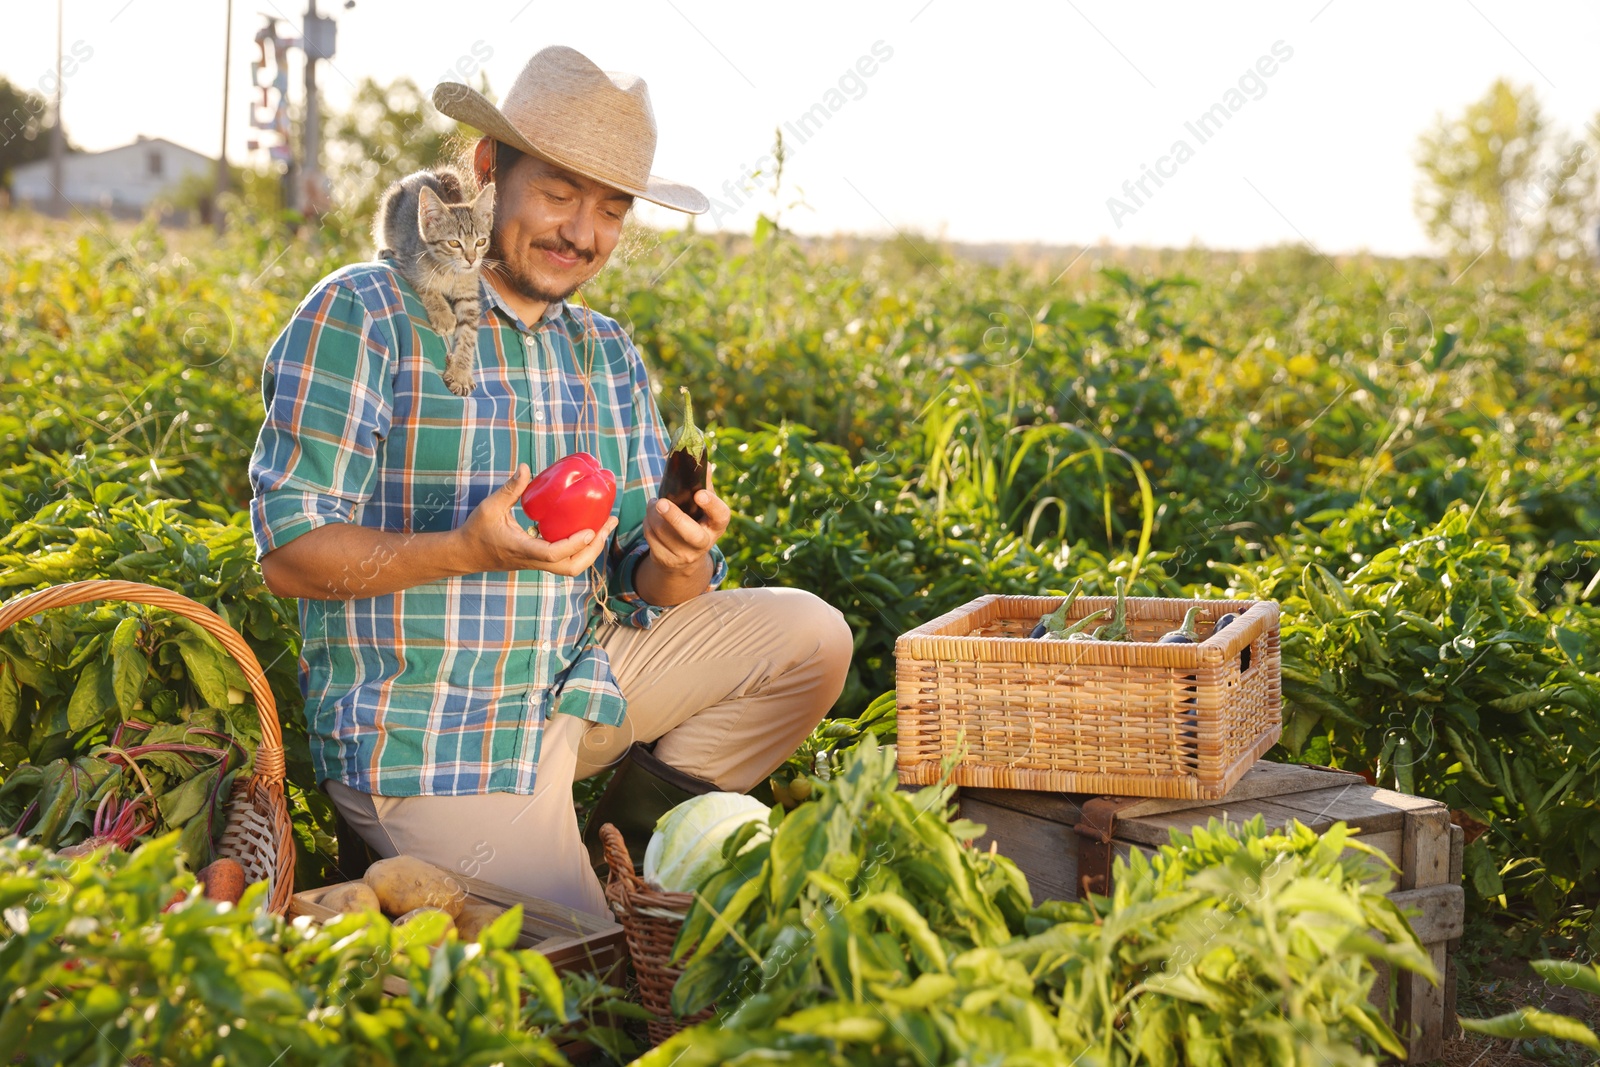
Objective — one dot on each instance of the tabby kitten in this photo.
(437, 241)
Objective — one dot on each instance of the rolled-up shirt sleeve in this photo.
(647, 450)
(328, 401)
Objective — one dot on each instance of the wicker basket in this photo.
(257, 832)
(651, 918)
(1135, 718)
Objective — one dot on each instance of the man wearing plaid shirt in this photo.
(458, 671)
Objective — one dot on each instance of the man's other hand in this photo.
(492, 540)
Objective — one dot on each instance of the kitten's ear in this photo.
(483, 208)
(430, 209)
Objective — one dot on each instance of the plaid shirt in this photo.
(444, 688)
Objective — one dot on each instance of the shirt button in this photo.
(538, 414)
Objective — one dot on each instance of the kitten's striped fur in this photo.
(437, 242)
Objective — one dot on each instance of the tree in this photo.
(1500, 182)
(387, 132)
(24, 127)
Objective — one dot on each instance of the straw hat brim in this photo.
(465, 104)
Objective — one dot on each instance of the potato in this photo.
(405, 883)
(475, 915)
(223, 881)
(351, 897)
(417, 913)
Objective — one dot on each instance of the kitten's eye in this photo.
(455, 244)
(482, 241)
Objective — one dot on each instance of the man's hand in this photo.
(678, 565)
(345, 561)
(493, 541)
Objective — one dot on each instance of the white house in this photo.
(119, 180)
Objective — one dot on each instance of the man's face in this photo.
(553, 230)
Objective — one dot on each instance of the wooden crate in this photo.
(572, 940)
(1063, 840)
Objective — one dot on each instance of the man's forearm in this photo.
(344, 561)
(663, 587)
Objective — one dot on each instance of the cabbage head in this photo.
(687, 844)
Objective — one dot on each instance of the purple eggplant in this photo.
(687, 470)
(1222, 623)
(1185, 634)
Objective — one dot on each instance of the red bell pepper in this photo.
(573, 493)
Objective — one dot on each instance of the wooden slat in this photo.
(1403, 801)
(1451, 1025)
(1352, 804)
(1426, 859)
(1420, 1017)
(1063, 808)
(550, 914)
(1154, 829)
(1388, 843)
(1378, 997)
(1453, 946)
(1265, 779)
(1442, 911)
(1046, 850)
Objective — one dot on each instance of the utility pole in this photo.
(222, 151)
(317, 41)
(310, 174)
(58, 136)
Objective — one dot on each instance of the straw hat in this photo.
(565, 109)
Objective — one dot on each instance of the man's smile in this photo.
(562, 255)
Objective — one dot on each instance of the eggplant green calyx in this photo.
(690, 438)
(1076, 629)
(1186, 634)
(1055, 624)
(1117, 628)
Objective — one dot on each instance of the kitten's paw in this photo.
(460, 384)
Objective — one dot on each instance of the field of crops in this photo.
(1407, 459)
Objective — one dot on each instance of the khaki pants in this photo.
(727, 685)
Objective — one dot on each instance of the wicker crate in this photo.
(1060, 841)
(1131, 718)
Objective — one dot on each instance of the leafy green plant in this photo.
(1429, 664)
(866, 931)
(822, 753)
(70, 676)
(102, 972)
(922, 428)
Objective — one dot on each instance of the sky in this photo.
(995, 122)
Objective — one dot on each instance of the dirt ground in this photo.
(1499, 986)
